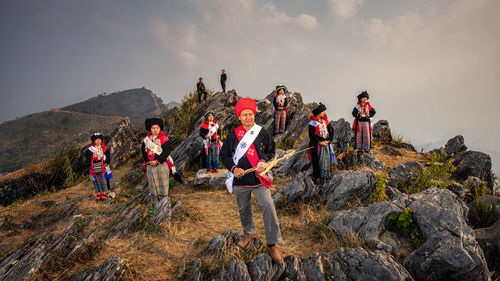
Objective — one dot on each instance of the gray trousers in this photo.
(263, 195)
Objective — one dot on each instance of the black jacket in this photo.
(88, 156)
(264, 144)
(200, 87)
(355, 113)
(166, 149)
(223, 77)
(276, 104)
(315, 139)
(204, 133)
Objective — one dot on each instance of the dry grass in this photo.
(392, 161)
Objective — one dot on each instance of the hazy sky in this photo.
(432, 68)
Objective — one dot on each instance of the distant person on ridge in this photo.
(362, 112)
(200, 88)
(210, 132)
(251, 146)
(320, 142)
(223, 78)
(280, 112)
(155, 151)
(99, 158)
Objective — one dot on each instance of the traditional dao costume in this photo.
(320, 130)
(99, 171)
(280, 112)
(211, 146)
(362, 123)
(156, 148)
(245, 149)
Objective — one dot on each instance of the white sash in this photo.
(313, 123)
(241, 149)
(152, 146)
(211, 132)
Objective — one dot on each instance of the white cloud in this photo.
(302, 21)
(188, 58)
(345, 9)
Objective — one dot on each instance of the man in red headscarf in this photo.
(246, 147)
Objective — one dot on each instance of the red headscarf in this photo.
(245, 103)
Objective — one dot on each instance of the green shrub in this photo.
(378, 193)
(482, 212)
(407, 226)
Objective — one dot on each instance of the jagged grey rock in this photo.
(237, 271)
(403, 175)
(473, 163)
(342, 135)
(112, 270)
(382, 132)
(215, 180)
(455, 145)
(342, 189)
(194, 272)
(450, 251)
(162, 211)
(391, 151)
(361, 159)
(124, 142)
(298, 162)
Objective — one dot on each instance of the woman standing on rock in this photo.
(362, 113)
(280, 112)
(99, 158)
(210, 132)
(155, 151)
(320, 143)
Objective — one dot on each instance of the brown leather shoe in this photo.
(275, 254)
(244, 241)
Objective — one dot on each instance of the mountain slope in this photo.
(33, 138)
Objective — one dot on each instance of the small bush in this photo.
(482, 212)
(378, 194)
(407, 226)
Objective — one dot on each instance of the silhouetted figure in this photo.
(223, 78)
(200, 87)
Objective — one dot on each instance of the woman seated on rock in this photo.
(362, 113)
(280, 112)
(99, 158)
(320, 143)
(210, 132)
(155, 151)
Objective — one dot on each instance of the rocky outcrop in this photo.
(391, 151)
(215, 180)
(473, 163)
(360, 159)
(112, 270)
(187, 154)
(342, 135)
(298, 162)
(124, 142)
(404, 174)
(489, 237)
(381, 132)
(342, 264)
(343, 189)
(455, 145)
(450, 250)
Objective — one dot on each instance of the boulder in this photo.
(113, 269)
(124, 142)
(455, 145)
(381, 131)
(450, 250)
(473, 163)
(298, 162)
(403, 175)
(342, 135)
(343, 189)
(215, 180)
(360, 159)
(391, 151)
